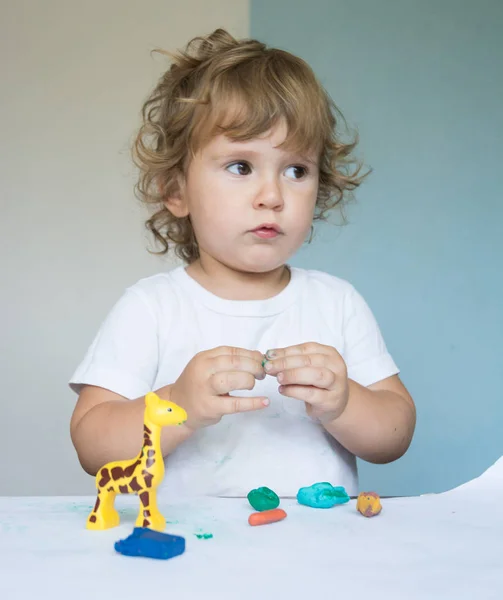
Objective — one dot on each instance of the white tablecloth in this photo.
(436, 546)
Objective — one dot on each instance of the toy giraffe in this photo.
(141, 475)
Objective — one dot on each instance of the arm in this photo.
(106, 426)
(375, 423)
(378, 422)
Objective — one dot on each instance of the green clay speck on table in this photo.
(203, 536)
(263, 498)
(322, 495)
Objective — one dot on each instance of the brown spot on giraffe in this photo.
(117, 473)
(149, 462)
(134, 485)
(92, 518)
(97, 503)
(148, 478)
(146, 429)
(123, 489)
(146, 513)
(128, 471)
(147, 442)
(105, 478)
(144, 498)
(146, 522)
(150, 453)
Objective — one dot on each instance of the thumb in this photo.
(237, 404)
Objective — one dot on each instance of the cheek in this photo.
(199, 201)
(211, 201)
(210, 216)
(304, 207)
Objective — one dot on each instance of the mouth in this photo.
(267, 230)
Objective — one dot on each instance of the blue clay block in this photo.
(151, 544)
(322, 495)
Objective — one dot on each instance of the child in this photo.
(239, 154)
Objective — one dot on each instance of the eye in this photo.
(296, 172)
(239, 168)
(170, 410)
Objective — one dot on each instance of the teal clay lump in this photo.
(263, 498)
(322, 495)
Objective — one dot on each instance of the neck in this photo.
(231, 284)
(151, 436)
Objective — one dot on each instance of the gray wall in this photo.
(74, 76)
(423, 83)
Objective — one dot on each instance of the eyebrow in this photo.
(247, 153)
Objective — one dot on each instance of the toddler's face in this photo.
(251, 203)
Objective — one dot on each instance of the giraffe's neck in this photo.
(151, 438)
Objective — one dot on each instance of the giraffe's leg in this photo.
(149, 515)
(104, 515)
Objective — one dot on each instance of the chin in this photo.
(251, 261)
(258, 266)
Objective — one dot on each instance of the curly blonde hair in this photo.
(241, 88)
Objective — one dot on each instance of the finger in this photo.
(307, 348)
(227, 381)
(233, 404)
(306, 393)
(234, 350)
(236, 362)
(273, 367)
(319, 377)
(314, 400)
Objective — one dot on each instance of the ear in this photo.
(176, 201)
(151, 399)
(176, 206)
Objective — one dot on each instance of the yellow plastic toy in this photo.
(368, 504)
(141, 475)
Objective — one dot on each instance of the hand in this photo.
(313, 373)
(204, 385)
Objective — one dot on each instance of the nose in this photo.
(269, 195)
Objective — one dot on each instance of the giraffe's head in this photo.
(163, 412)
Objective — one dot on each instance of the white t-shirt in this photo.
(162, 321)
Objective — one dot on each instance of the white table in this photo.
(436, 546)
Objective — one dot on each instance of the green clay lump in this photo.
(263, 498)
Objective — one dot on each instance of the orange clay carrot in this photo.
(267, 516)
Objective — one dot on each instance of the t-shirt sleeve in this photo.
(367, 358)
(123, 356)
